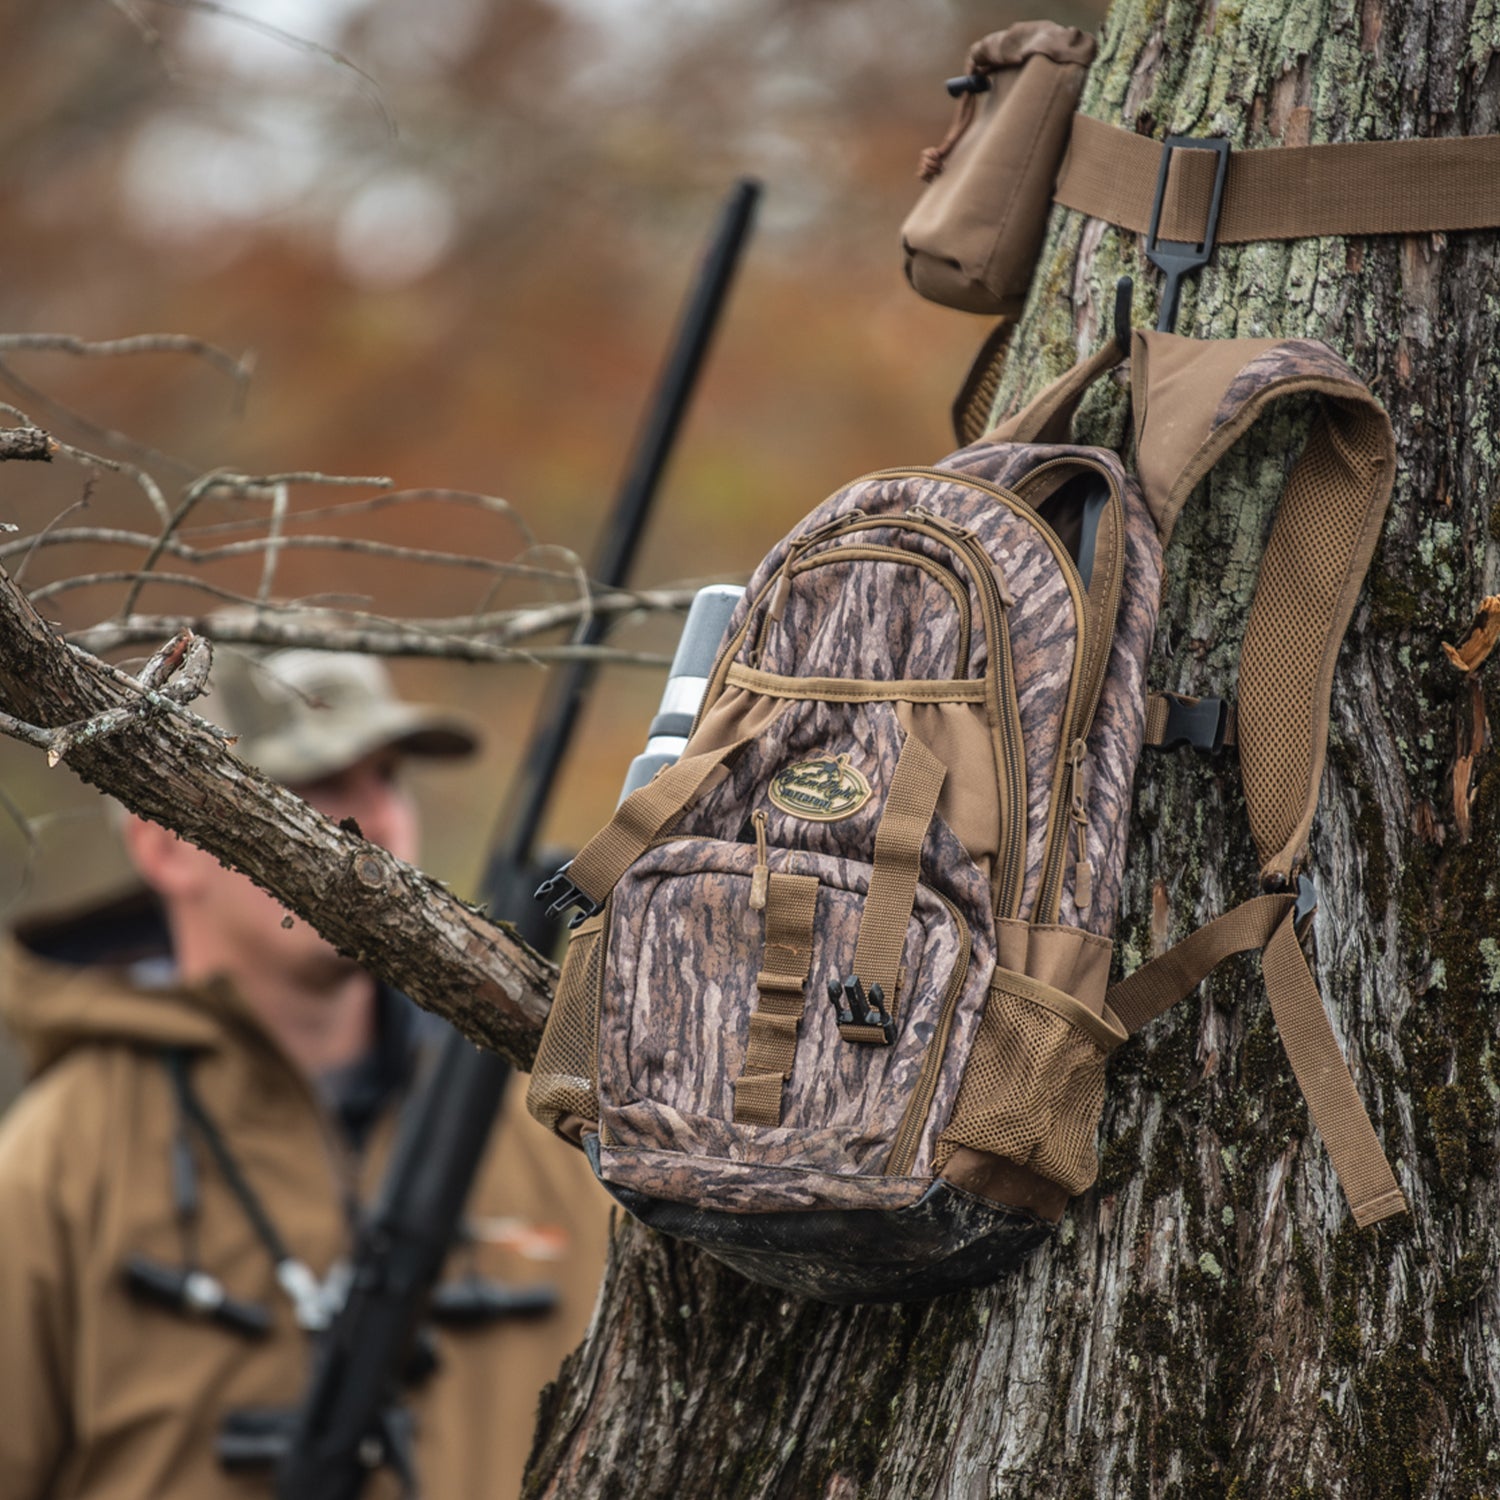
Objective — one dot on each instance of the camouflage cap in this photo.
(301, 715)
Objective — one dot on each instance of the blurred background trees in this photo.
(455, 236)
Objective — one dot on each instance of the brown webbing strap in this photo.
(1313, 1050)
(1193, 401)
(909, 807)
(1268, 923)
(1156, 987)
(791, 907)
(1284, 192)
(640, 818)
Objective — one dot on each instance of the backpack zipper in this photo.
(904, 1149)
(1000, 690)
(945, 577)
(1092, 652)
(1000, 695)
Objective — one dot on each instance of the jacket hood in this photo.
(77, 980)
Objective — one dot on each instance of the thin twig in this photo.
(364, 82)
(273, 541)
(205, 485)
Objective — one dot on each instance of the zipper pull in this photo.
(1083, 871)
(779, 595)
(760, 878)
(820, 531)
(943, 524)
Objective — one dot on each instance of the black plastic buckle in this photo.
(1176, 257)
(1201, 723)
(967, 83)
(562, 893)
(853, 1007)
(1307, 901)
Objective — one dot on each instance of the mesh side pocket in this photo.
(565, 1076)
(1033, 1088)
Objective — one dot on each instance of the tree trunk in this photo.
(1209, 1321)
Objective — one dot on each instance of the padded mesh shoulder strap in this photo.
(1194, 400)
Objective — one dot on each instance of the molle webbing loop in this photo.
(1194, 400)
(1268, 923)
(909, 807)
(1284, 192)
(791, 907)
(642, 817)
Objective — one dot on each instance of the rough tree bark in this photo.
(1209, 1322)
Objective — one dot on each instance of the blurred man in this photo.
(214, 1093)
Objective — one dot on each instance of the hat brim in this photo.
(295, 757)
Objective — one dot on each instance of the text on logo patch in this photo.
(823, 790)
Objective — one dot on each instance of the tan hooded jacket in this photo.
(107, 1397)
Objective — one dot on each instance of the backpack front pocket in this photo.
(696, 968)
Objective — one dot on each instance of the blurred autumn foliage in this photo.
(456, 235)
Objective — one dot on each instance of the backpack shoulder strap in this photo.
(1193, 401)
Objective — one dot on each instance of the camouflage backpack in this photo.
(838, 1004)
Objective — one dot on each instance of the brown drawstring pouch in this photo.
(972, 239)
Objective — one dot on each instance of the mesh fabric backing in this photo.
(1032, 1092)
(565, 1078)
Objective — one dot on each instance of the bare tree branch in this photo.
(166, 765)
(478, 638)
(26, 443)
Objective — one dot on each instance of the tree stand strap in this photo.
(1284, 192)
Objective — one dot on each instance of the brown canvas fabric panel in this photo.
(1066, 958)
(972, 239)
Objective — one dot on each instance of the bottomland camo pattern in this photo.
(1120, 721)
(846, 642)
(1296, 359)
(685, 949)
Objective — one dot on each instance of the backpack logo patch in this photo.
(822, 790)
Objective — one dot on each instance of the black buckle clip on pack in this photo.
(1175, 257)
(1199, 722)
(853, 1007)
(562, 893)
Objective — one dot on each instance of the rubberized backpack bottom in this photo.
(947, 1241)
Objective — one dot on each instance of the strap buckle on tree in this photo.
(1175, 257)
(1307, 897)
(1202, 723)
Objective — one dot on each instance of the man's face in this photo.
(222, 922)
